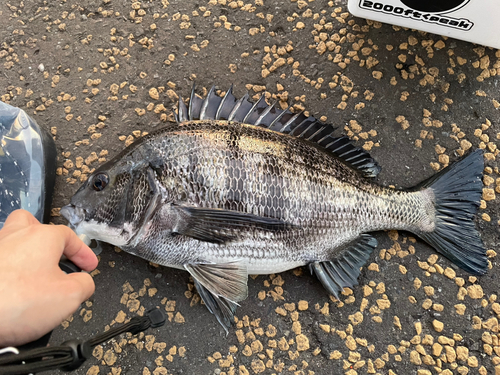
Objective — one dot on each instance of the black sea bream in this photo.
(236, 188)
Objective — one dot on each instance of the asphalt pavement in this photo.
(100, 74)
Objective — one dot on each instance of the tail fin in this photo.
(457, 191)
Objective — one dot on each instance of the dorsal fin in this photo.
(268, 116)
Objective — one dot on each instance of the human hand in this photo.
(35, 295)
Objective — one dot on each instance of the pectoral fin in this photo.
(220, 226)
(344, 270)
(221, 286)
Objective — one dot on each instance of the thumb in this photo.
(82, 286)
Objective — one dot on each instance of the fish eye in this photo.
(100, 181)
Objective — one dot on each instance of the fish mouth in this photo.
(75, 215)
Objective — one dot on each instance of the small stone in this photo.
(258, 366)
(496, 308)
(438, 326)
(247, 351)
(170, 306)
(133, 305)
(356, 318)
(475, 291)
(98, 352)
(94, 370)
(449, 273)
(397, 322)
(303, 305)
(256, 346)
(491, 324)
(110, 357)
(436, 349)
(335, 355)
(281, 311)
(374, 267)
(418, 327)
(462, 353)
(179, 318)
(325, 327)
(439, 44)
(437, 307)
(182, 351)
(472, 361)
(302, 342)
(439, 150)
(160, 371)
(429, 290)
(444, 159)
(435, 166)
(354, 357)
(488, 194)
(462, 292)
(460, 308)
(427, 304)
(379, 363)
(271, 331)
(120, 317)
(350, 343)
(283, 344)
(476, 322)
(451, 356)
(465, 144)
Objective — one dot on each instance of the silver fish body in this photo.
(243, 168)
(223, 199)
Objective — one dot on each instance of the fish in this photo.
(236, 188)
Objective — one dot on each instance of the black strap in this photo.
(71, 354)
(40, 343)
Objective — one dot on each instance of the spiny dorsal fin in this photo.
(182, 112)
(268, 116)
(210, 105)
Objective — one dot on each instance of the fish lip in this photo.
(75, 215)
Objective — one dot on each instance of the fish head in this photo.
(111, 203)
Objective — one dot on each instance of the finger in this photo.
(75, 250)
(83, 285)
(19, 219)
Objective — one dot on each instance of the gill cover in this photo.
(115, 202)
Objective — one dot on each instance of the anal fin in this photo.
(221, 286)
(344, 270)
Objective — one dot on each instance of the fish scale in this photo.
(224, 199)
(326, 200)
